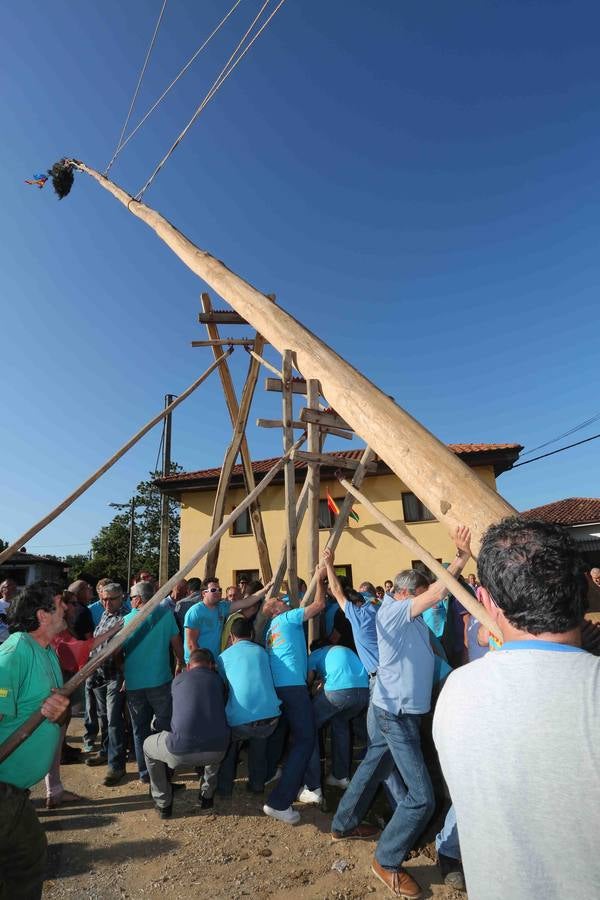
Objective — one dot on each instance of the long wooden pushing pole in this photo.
(29, 726)
(402, 534)
(447, 486)
(35, 529)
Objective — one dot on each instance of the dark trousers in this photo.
(297, 711)
(257, 735)
(22, 846)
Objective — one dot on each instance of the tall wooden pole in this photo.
(314, 490)
(289, 474)
(163, 556)
(447, 486)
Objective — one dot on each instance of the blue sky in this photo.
(417, 182)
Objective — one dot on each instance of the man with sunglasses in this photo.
(204, 622)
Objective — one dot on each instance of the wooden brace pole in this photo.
(17, 737)
(446, 485)
(402, 534)
(314, 490)
(35, 529)
(289, 473)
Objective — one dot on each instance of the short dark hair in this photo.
(39, 595)
(368, 586)
(202, 656)
(242, 628)
(212, 580)
(194, 584)
(354, 597)
(534, 574)
(255, 586)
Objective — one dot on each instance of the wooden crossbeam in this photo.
(277, 423)
(274, 384)
(233, 408)
(318, 417)
(224, 342)
(221, 317)
(330, 460)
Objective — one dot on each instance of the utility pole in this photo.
(130, 553)
(163, 560)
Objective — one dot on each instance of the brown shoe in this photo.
(360, 833)
(399, 882)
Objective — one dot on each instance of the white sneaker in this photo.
(337, 782)
(275, 777)
(306, 796)
(289, 815)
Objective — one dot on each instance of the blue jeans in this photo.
(145, 704)
(257, 736)
(297, 710)
(110, 701)
(394, 787)
(395, 739)
(337, 707)
(446, 842)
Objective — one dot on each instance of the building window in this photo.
(326, 517)
(414, 510)
(242, 524)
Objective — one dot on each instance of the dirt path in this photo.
(113, 845)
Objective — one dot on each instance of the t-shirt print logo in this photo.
(275, 639)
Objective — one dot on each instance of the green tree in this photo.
(110, 547)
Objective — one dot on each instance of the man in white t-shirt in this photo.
(518, 732)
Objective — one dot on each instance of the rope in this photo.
(175, 80)
(221, 78)
(138, 85)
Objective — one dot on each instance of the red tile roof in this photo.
(571, 511)
(262, 466)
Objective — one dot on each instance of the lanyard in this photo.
(541, 645)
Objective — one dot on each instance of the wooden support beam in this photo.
(231, 454)
(330, 459)
(277, 423)
(323, 418)
(314, 485)
(289, 479)
(225, 342)
(402, 534)
(220, 360)
(274, 384)
(341, 520)
(221, 317)
(232, 405)
(264, 362)
(115, 643)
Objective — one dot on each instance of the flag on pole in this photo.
(333, 508)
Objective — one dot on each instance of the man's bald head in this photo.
(81, 590)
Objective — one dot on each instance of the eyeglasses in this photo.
(213, 590)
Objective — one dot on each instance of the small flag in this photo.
(332, 505)
(354, 515)
(39, 180)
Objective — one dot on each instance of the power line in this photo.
(138, 85)
(225, 72)
(552, 452)
(565, 434)
(181, 73)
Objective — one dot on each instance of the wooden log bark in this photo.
(35, 529)
(314, 491)
(289, 474)
(447, 486)
(14, 740)
(258, 528)
(402, 534)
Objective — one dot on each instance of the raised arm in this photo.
(251, 599)
(335, 587)
(318, 605)
(435, 592)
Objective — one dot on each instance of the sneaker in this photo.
(398, 881)
(98, 759)
(306, 796)
(165, 812)
(337, 782)
(113, 777)
(89, 746)
(360, 833)
(289, 815)
(452, 872)
(274, 777)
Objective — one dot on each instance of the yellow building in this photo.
(365, 550)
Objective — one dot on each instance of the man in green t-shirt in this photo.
(30, 678)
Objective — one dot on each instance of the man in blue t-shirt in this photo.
(402, 694)
(286, 646)
(147, 668)
(253, 707)
(344, 694)
(204, 621)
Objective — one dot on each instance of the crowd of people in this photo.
(206, 677)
